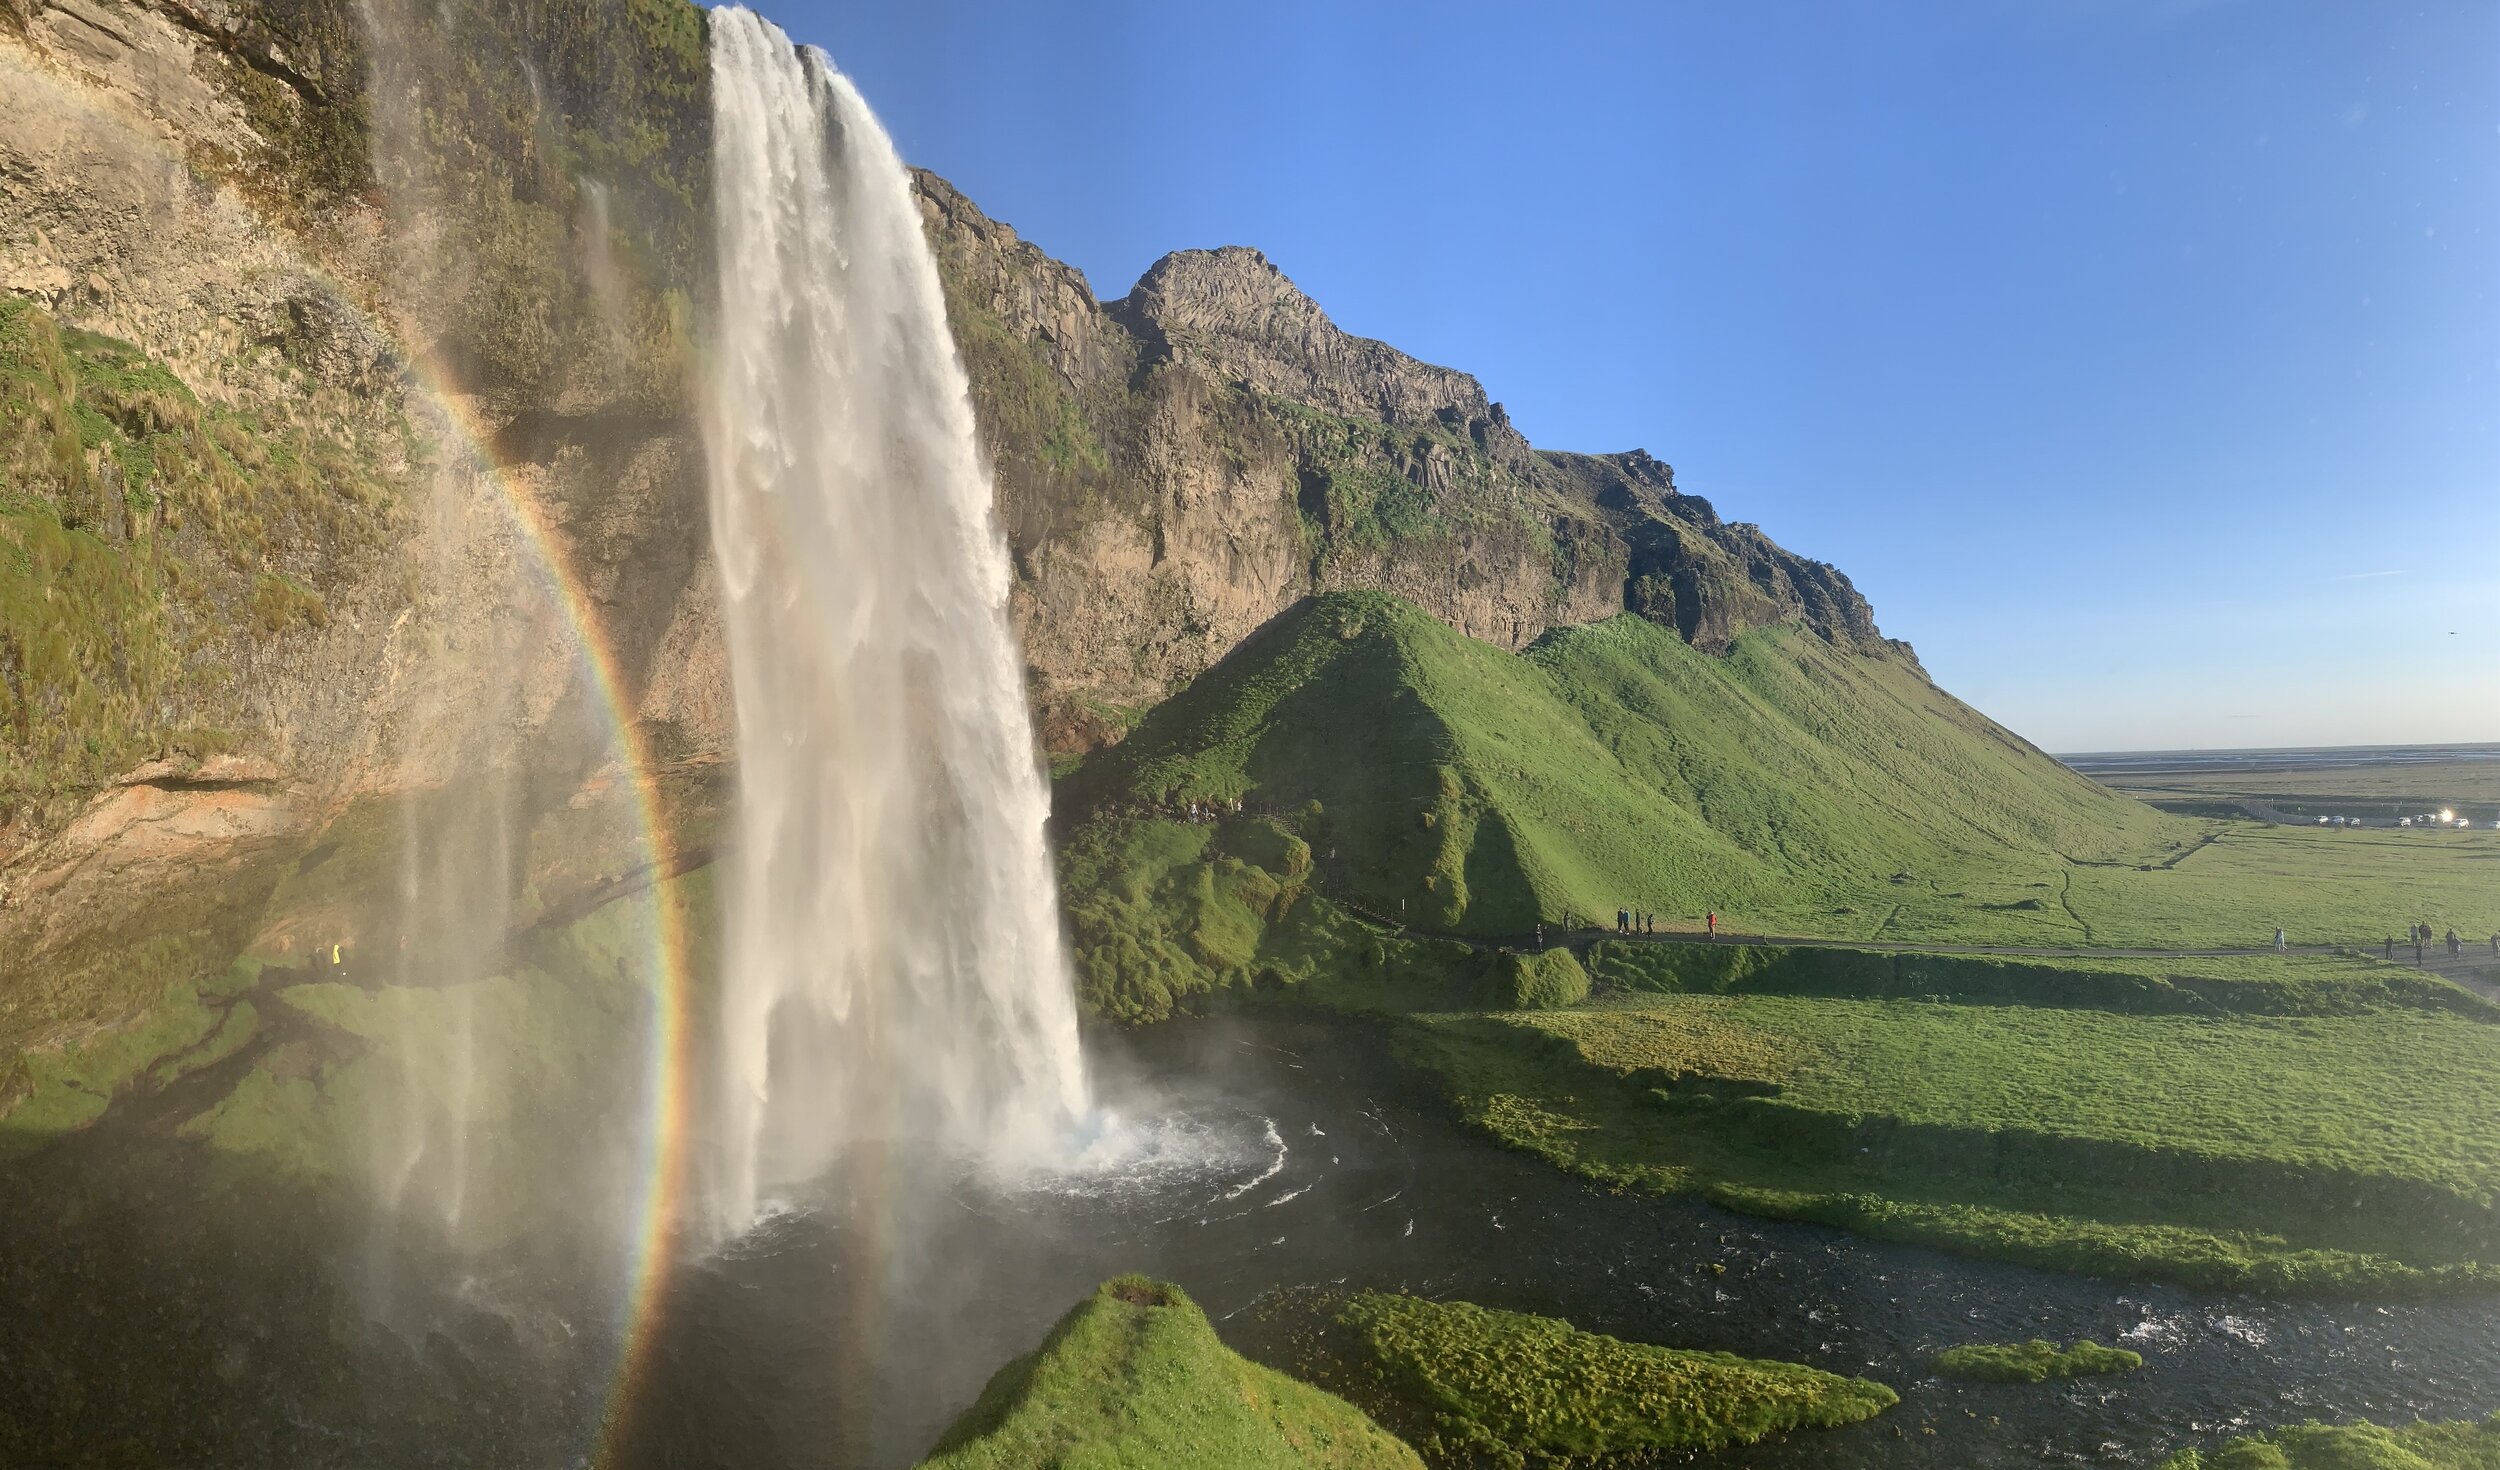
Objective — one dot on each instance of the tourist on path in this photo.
(2278, 941)
(2452, 944)
(1714, 923)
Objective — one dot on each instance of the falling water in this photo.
(893, 972)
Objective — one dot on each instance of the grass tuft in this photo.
(2036, 1361)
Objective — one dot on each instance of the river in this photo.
(1263, 1158)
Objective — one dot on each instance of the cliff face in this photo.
(316, 358)
(1178, 466)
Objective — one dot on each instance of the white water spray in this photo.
(893, 971)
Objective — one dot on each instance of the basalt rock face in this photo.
(1178, 466)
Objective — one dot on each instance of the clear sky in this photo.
(2140, 359)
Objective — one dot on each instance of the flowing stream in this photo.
(894, 974)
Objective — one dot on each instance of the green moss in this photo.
(2035, 1361)
(1538, 981)
(279, 604)
(57, 1091)
(1473, 1385)
(2429, 1445)
(139, 529)
(1135, 1376)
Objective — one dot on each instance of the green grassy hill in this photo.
(1386, 764)
(1611, 765)
(1135, 1376)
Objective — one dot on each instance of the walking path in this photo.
(2474, 969)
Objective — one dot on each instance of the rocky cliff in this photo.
(343, 383)
(1178, 466)
(345, 354)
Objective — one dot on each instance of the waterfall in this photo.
(893, 972)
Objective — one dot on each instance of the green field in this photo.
(2328, 1127)
(1397, 769)
(1475, 1386)
(1135, 1377)
(2346, 784)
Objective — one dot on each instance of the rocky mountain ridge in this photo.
(1180, 464)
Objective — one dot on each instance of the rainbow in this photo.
(659, 1212)
(657, 1215)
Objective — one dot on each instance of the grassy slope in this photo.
(1477, 1386)
(1135, 1376)
(1611, 765)
(2423, 1446)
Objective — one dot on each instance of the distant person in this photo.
(1623, 921)
(1540, 934)
(2278, 941)
(2495, 945)
(1713, 922)
(2417, 946)
(2391, 946)
(2453, 947)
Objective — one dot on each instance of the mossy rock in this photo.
(1472, 1385)
(1535, 982)
(2035, 1361)
(1134, 1376)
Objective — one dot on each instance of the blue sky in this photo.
(2140, 359)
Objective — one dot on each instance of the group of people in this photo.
(2419, 936)
(1635, 921)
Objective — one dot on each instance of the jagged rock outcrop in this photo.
(1181, 464)
(1234, 313)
